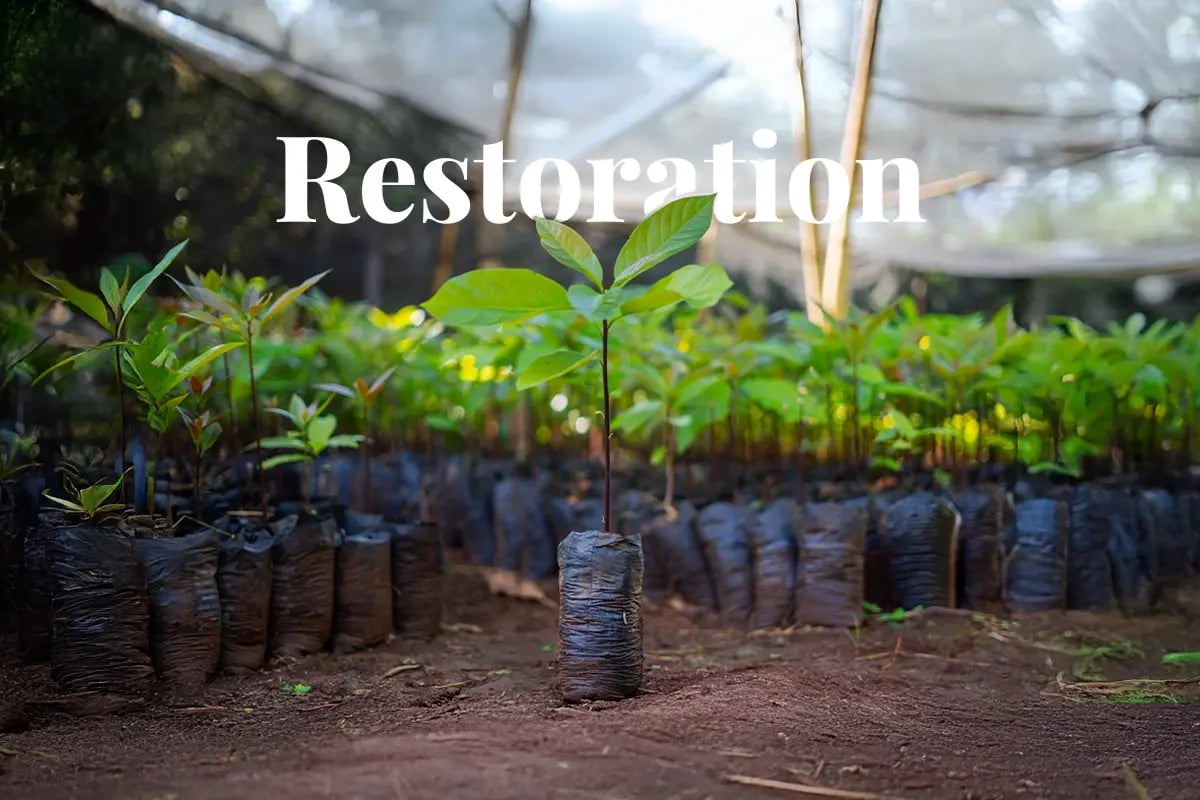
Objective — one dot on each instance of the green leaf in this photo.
(201, 361)
(551, 366)
(290, 296)
(668, 231)
(593, 305)
(281, 443)
(93, 497)
(215, 303)
(496, 297)
(287, 458)
(75, 357)
(656, 297)
(775, 395)
(348, 440)
(1190, 657)
(568, 248)
(639, 416)
(319, 430)
(110, 288)
(143, 283)
(337, 388)
(81, 299)
(440, 422)
(700, 286)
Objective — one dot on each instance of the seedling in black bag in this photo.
(311, 435)
(90, 502)
(510, 296)
(600, 621)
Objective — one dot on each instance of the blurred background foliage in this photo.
(111, 147)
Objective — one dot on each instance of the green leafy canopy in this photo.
(511, 296)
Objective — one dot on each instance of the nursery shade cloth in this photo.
(1086, 113)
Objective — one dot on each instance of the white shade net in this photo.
(1079, 120)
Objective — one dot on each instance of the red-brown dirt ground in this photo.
(942, 706)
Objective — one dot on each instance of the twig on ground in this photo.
(402, 668)
(200, 709)
(322, 706)
(800, 788)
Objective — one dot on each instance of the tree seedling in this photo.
(510, 296)
(244, 317)
(203, 429)
(311, 435)
(366, 394)
(154, 373)
(90, 502)
(111, 310)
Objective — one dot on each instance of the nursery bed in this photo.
(473, 714)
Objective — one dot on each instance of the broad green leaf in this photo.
(593, 305)
(67, 504)
(699, 285)
(656, 297)
(143, 283)
(639, 416)
(869, 373)
(668, 231)
(776, 396)
(348, 440)
(796, 354)
(551, 366)
(297, 408)
(319, 430)
(110, 288)
(695, 388)
(290, 296)
(495, 297)
(283, 413)
(83, 300)
(569, 249)
(94, 496)
(440, 422)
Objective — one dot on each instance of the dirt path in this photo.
(957, 713)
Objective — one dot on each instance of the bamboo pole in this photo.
(835, 292)
(490, 238)
(810, 243)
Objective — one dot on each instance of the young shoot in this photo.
(510, 296)
(311, 435)
(244, 316)
(110, 310)
(366, 394)
(90, 502)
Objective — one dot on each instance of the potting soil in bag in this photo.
(1131, 553)
(1173, 546)
(920, 535)
(829, 575)
(524, 541)
(1089, 574)
(363, 596)
(244, 578)
(417, 581)
(721, 529)
(185, 605)
(772, 537)
(1037, 564)
(877, 584)
(677, 547)
(599, 616)
(302, 585)
(984, 512)
(35, 588)
(101, 617)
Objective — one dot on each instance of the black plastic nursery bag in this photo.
(417, 580)
(829, 577)
(772, 537)
(1037, 562)
(721, 529)
(363, 595)
(244, 579)
(302, 585)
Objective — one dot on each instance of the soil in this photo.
(944, 705)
